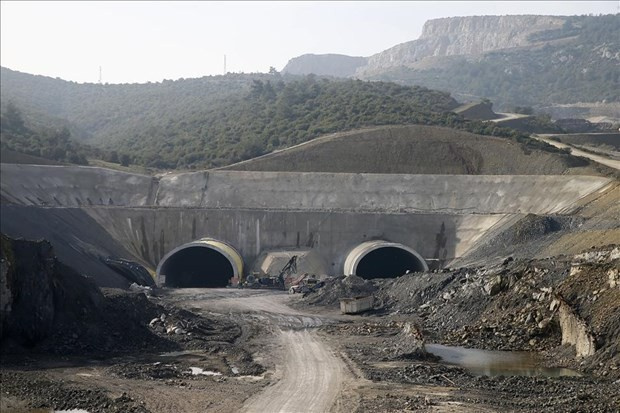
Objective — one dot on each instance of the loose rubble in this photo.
(514, 305)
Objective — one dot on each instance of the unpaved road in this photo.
(309, 375)
(509, 116)
(612, 163)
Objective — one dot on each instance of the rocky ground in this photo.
(143, 350)
(67, 344)
(512, 306)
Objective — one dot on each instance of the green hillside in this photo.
(212, 121)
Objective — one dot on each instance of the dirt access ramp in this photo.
(308, 375)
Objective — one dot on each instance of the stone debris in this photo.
(336, 288)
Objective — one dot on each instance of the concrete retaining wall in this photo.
(151, 233)
(377, 192)
(74, 186)
(488, 194)
(439, 216)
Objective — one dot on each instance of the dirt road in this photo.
(509, 116)
(309, 375)
(612, 163)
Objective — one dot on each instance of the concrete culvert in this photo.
(206, 263)
(383, 259)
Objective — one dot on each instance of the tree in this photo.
(125, 159)
(113, 157)
(13, 119)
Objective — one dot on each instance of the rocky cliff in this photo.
(463, 36)
(546, 62)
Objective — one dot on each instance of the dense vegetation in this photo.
(578, 63)
(212, 121)
(48, 143)
(52, 142)
(274, 115)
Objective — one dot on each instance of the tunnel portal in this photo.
(388, 262)
(197, 267)
(206, 263)
(382, 259)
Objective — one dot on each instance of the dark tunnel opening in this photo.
(197, 267)
(388, 262)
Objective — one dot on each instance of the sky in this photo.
(148, 41)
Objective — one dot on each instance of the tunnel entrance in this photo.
(383, 259)
(197, 267)
(204, 263)
(388, 262)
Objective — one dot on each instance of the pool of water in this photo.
(496, 363)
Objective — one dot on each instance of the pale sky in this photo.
(138, 42)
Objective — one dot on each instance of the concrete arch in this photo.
(206, 262)
(383, 259)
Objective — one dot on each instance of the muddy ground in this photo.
(135, 351)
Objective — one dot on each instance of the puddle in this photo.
(496, 363)
(182, 353)
(70, 411)
(250, 378)
(197, 371)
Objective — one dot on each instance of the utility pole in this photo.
(100, 78)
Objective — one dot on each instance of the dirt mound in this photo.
(525, 238)
(415, 149)
(340, 287)
(480, 111)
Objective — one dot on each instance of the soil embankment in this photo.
(418, 149)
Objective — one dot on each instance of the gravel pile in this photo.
(340, 287)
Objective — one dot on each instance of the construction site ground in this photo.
(194, 350)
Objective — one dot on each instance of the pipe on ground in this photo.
(204, 263)
(383, 259)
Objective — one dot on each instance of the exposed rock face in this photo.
(450, 36)
(575, 332)
(324, 65)
(38, 291)
(26, 279)
(462, 36)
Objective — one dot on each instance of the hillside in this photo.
(104, 112)
(210, 122)
(418, 150)
(538, 61)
